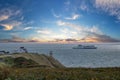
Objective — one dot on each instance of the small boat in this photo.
(85, 47)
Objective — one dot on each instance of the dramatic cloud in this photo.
(14, 39)
(10, 25)
(5, 14)
(18, 39)
(84, 33)
(110, 6)
(7, 26)
(8, 18)
(74, 17)
(68, 33)
(79, 27)
(93, 37)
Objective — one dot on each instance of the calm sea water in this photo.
(106, 55)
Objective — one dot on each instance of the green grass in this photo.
(60, 74)
(19, 62)
(31, 67)
(31, 60)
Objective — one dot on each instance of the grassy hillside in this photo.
(26, 66)
(39, 60)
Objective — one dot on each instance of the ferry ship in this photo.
(85, 47)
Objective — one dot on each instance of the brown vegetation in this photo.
(60, 74)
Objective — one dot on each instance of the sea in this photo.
(106, 54)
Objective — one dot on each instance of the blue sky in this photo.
(61, 21)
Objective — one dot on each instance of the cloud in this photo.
(10, 18)
(77, 31)
(5, 14)
(55, 15)
(84, 7)
(79, 27)
(67, 2)
(68, 6)
(69, 33)
(84, 34)
(14, 39)
(4, 17)
(74, 17)
(47, 34)
(95, 29)
(44, 31)
(18, 39)
(28, 28)
(67, 24)
(110, 6)
(93, 37)
(70, 39)
(7, 27)
(10, 25)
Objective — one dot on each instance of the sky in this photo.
(59, 21)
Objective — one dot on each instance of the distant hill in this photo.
(31, 59)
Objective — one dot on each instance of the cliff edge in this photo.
(31, 59)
